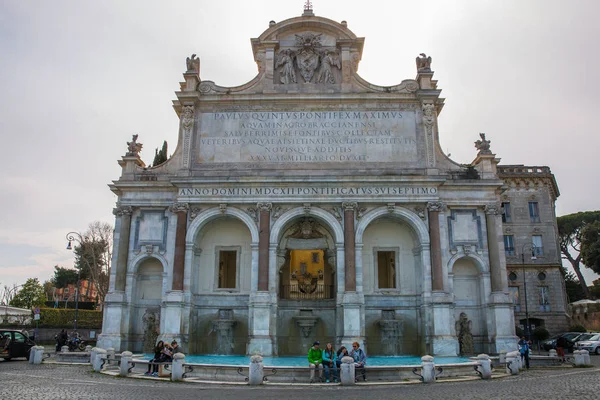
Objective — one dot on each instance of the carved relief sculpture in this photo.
(483, 145)
(187, 123)
(134, 148)
(423, 63)
(286, 59)
(329, 59)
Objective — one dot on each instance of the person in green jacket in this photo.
(315, 360)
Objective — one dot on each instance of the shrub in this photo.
(577, 328)
(540, 333)
(60, 317)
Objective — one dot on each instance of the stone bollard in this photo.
(520, 361)
(38, 354)
(64, 349)
(347, 373)
(552, 353)
(586, 357)
(100, 357)
(256, 371)
(176, 366)
(31, 355)
(126, 357)
(579, 358)
(88, 348)
(427, 369)
(486, 366)
(512, 362)
(93, 354)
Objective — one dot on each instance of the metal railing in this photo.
(296, 292)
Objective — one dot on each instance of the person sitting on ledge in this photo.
(360, 360)
(329, 363)
(176, 348)
(315, 360)
(158, 350)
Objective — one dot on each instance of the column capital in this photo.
(179, 207)
(349, 205)
(492, 209)
(264, 206)
(436, 206)
(120, 210)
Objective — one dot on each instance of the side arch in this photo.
(140, 258)
(478, 261)
(214, 213)
(401, 213)
(281, 223)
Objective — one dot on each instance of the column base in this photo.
(261, 313)
(108, 340)
(262, 346)
(445, 346)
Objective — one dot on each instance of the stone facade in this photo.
(587, 314)
(309, 204)
(529, 220)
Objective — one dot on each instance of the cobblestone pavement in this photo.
(20, 380)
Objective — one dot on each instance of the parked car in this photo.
(572, 338)
(589, 342)
(14, 344)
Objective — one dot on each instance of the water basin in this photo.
(301, 361)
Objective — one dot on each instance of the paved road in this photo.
(19, 380)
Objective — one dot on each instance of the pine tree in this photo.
(160, 156)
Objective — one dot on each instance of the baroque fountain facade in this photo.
(308, 204)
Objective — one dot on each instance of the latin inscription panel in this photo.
(308, 137)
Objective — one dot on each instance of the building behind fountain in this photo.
(310, 204)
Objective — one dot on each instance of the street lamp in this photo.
(533, 257)
(74, 236)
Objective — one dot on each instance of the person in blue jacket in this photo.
(360, 360)
(329, 362)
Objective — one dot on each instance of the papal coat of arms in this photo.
(308, 58)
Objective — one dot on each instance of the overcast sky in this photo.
(78, 78)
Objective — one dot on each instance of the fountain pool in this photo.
(300, 361)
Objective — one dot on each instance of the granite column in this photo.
(263, 245)
(349, 247)
(437, 279)
(180, 209)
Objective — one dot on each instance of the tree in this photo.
(160, 156)
(595, 289)
(574, 290)
(64, 277)
(31, 294)
(590, 246)
(569, 236)
(93, 256)
(49, 289)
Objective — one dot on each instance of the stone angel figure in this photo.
(423, 63)
(483, 145)
(328, 60)
(286, 59)
(133, 147)
(193, 64)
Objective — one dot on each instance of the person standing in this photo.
(329, 363)
(315, 360)
(561, 344)
(524, 346)
(360, 359)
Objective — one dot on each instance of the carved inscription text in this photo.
(308, 137)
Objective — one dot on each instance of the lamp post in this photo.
(533, 257)
(74, 236)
